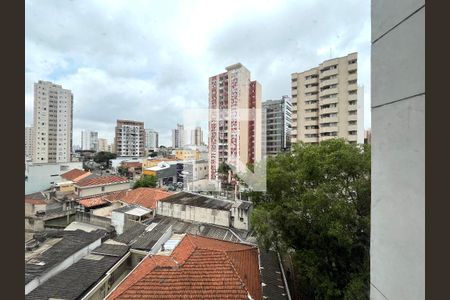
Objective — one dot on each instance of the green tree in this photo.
(146, 181)
(103, 157)
(317, 209)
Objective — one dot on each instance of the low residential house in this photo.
(200, 208)
(101, 185)
(187, 154)
(154, 161)
(70, 178)
(134, 169)
(143, 196)
(195, 267)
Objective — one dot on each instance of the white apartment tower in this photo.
(178, 140)
(234, 120)
(89, 140)
(52, 123)
(130, 138)
(326, 103)
(28, 142)
(102, 145)
(197, 136)
(151, 139)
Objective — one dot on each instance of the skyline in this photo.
(151, 61)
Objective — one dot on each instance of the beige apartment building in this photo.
(130, 138)
(102, 145)
(234, 119)
(326, 103)
(197, 136)
(52, 123)
(28, 142)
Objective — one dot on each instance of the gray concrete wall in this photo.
(92, 191)
(191, 213)
(398, 150)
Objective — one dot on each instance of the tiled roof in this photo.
(35, 198)
(133, 164)
(146, 197)
(75, 174)
(198, 268)
(102, 180)
(92, 202)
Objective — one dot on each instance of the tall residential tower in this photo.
(151, 139)
(276, 125)
(52, 123)
(326, 103)
(130, 138)
(89, 140)
(234, 119)
(178, 140)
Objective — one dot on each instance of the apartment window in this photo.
(294, 79)
(352, 132)
(352, 102)
(353, 61)
(352, 81)
(353, 92)
(352, 112)
(351, 122)
(103, 188)
(352, 72)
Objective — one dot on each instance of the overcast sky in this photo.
(149, 60)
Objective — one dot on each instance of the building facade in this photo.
(277, 117)
(197, 136)
(28, 142)
(151, 139)
(89, 140)
(178, 139)
(234, 119)
(325, 102)
(130, 138)
(397, 246)
(102, 145)
(52, 123)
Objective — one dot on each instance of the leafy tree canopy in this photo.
(317, 207)
(146, 181)
(104, 157)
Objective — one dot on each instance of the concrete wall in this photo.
(198, 214)
(91, 191)
(398, 150)
(41, 176)
(118, 221)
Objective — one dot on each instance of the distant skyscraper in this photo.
(28, 142)
(89, 140)
(102, 145)
(130, 138)
(326, 103)
(53, 108)
(233, 135)
(276, 125)
(178, 140)
(151, 139)
(197, 136)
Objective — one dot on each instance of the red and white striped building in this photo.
(234, 119)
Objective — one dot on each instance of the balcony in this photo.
(329, 110)
(329, 120)
(352, 117)
(328, 129)
(329, 91)
(353, 67)
(329, 73)
(352, 87)
(352, 77)
(294, 132)
(328, 82)
(312, 80)
(352, 97)
(310, 106)
(312, 89)
(311, 140)
(352, 107)
(328, 101)
(352, 127)
(310, 122)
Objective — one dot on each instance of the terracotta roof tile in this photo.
(101, 180)
(146, 197)
(92, 202)
(198, 268)
(35, 198)
(132, 164)
(75, 175)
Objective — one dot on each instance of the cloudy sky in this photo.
(149, 60)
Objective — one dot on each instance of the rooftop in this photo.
(75, 175)
(58, 246)
(76, 280)
(196, 200)
(201, 268)
(35, 198)
(93, 201)
(101, 180)
(145, 197)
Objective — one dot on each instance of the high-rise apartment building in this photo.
(276, 125)
(102, 145)
(28, 142)
(178, 140)
(197, 136)
(325, 102)
(234, 119)
(151, 139)
(130, 138)
(52, 124)
(89, 140)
